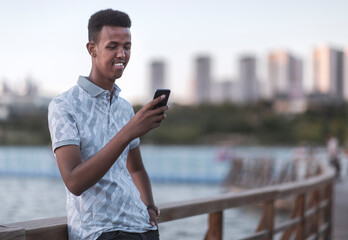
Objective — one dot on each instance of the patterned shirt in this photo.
(85, 117)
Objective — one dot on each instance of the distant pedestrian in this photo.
(333, 152)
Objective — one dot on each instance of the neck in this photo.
(104, 83)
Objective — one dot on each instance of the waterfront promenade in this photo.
(340, 211)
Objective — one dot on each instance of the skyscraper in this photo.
(203, 79)
(345, 75)
(328, 72)
(248, 79)
(286, 75)
(226, 91)
(157, 77)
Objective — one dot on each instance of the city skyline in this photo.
(284, 78)
(46, 40)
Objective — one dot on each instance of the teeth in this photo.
(119, 64)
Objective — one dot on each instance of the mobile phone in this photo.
(160, 92)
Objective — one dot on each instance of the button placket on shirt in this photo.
(110, 106)
(109, 128)
(105, 106)
(107, 112)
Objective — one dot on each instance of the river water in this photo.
(31, 187)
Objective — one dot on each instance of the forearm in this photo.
(142, 182)
(80, 176)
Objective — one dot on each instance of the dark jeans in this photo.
(119, 235)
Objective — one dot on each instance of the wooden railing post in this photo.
(298, 211)
(313, 225)
(215, 226)
(301, 228)
(267, 219)
(328, 210)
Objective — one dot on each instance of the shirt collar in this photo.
(93, 89)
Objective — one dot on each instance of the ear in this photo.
(91, 48)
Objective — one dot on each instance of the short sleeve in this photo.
(62, 124)
(134, 143)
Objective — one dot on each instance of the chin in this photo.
(117, 77)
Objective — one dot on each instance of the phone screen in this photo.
(160, 92)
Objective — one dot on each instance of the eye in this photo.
(127, 47)
(111, 47)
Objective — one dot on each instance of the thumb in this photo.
(155, 101)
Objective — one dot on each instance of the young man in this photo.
(95, 137)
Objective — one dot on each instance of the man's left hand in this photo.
(153, 217)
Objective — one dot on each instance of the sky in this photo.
(46, 40)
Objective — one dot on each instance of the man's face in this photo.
(112, 52)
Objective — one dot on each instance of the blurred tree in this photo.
(209, 124)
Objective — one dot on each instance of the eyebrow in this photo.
(113, 42)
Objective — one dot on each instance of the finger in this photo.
(160, 110)
(159, 117)
(153, 221)
(153, 103)
(160, 97)
(154, 224)
(156, 124)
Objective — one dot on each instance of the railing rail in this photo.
(310, 219)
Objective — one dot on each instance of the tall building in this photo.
(286, 75)
(328, 72)
(203, 79)
(226, 91)
(4, 89)
(345, 75)
(248, 79)
(157, 77)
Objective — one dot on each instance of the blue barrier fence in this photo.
(164, 164)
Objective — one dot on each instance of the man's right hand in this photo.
(146, 118)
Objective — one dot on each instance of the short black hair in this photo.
(107, 17)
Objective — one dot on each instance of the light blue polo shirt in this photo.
(84, 116)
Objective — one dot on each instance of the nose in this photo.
(120, 53)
